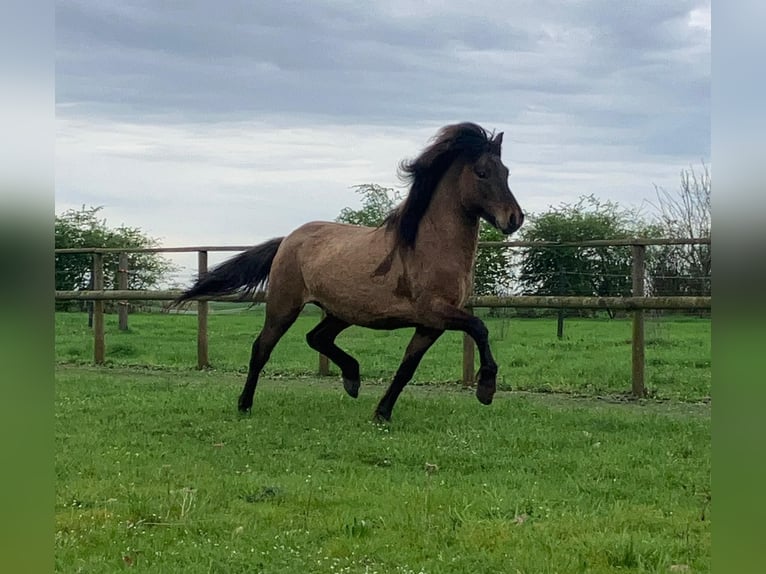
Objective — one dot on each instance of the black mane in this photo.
(466, 141)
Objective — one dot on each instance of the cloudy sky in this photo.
(233, 122)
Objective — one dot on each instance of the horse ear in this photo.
(496, 143)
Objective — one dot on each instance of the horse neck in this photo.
(446, 228)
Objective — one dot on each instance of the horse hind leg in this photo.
(322, 339)
(276, 324)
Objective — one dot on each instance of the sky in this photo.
(212, 123)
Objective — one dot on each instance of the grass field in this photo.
(594, 357)
(157, 473)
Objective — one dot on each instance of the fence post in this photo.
(89, 304)
(98, 310)
(202, 309)
(122, 283)
(560, 322)
(469, 350)
(639, 267)
(324, 362)
(324, 366)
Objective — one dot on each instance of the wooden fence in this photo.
(637, 303)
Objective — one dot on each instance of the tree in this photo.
(584, 271)
(377, 203)
(78, 228)
(491, 272)
(685, 213)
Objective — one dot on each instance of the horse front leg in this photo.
(420, 343)
(453, 318)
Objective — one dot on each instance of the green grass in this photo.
(157, 473)
(594, 357)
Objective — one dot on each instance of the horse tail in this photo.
(246, 272)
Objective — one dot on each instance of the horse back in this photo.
(356, 274)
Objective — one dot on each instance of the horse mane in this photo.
(466, 141)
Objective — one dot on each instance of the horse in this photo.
(414, 270)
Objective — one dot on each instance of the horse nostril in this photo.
(515, 221)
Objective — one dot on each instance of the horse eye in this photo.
(481, 174)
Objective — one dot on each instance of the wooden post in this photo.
(560, 322)
(89, 304)
(324, 366)
(324, 362)
(469, 352)
(122, 284)
(98, 310)
(202, 309)
(639, 266)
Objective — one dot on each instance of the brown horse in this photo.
(415, 270)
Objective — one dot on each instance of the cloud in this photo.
(389, 64)
(263, 178)
(210, 125)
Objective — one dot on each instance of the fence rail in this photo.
(589, 243)
(488, 301)
(637, 303)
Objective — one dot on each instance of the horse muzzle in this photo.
(513, 224)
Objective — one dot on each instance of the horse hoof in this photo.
(381, 418)
(351, 386)
(485, 394)
(243, 407)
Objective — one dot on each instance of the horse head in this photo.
(485, 192)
